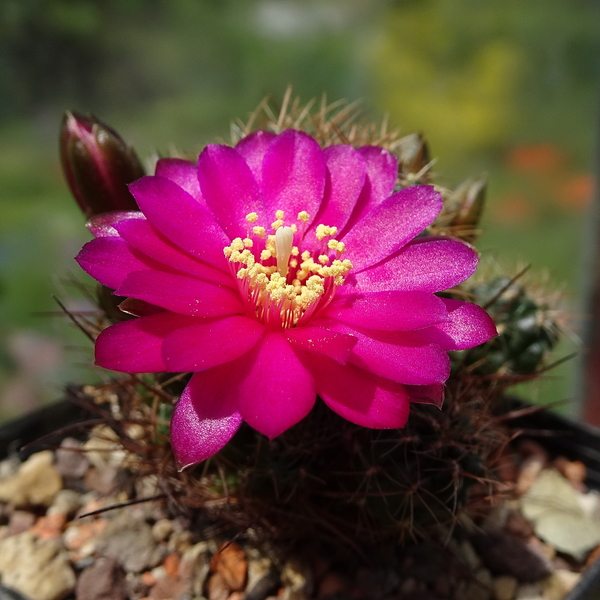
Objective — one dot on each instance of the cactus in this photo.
(326, 476)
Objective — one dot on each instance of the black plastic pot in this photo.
(558, 435)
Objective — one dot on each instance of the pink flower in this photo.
(277, 271)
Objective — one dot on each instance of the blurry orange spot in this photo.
(171, 565)
(577, 193)
(51, 526)
(148, 579)
(535, 159)
(513, 209)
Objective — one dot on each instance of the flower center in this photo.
(286, 282)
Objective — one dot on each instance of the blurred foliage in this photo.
(478, 76)
(494, 86)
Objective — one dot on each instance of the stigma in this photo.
(284, 240)
(285, 277)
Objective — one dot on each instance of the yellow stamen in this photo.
(295, 287)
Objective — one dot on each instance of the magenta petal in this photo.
(392, 311)
(180, 218)
(102, 225)
(391, 224)
(109, 260)
(359, 396)
(426, 394)
(204, 345)
(293, 175)
(432, 265)
(134, 346)
(182, 172)
(142, 236)
(205, 418)
(469, 326)
(180, 294)
(401, 356)
(345, 179)
(276, 391)
(253, 149)
(322, 341)
(382, 171)
(229, 188)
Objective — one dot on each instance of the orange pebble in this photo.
(49, 527)
(171, 565)
(148, 579)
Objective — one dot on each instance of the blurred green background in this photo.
(508, 88)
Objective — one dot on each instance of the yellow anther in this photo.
(237, 244)
(324, 231)
(337, 246)
(270, 292)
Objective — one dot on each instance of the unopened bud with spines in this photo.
(98, 165)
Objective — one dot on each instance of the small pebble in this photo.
(230, 562)
(35, 483)
(66, 502)
(517, 525)
(559, 584)
(71, 462)
(179, 542)
(171, 564)
(162, 529)
(530, 469)
(529, 591)
(20, 520)
(505, 587)
(51, 526)
(575, 471)
(102, 580)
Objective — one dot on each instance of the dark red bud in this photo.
(98, 165)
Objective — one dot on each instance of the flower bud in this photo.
(98, 165)
(468, 200)
(414, 158)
